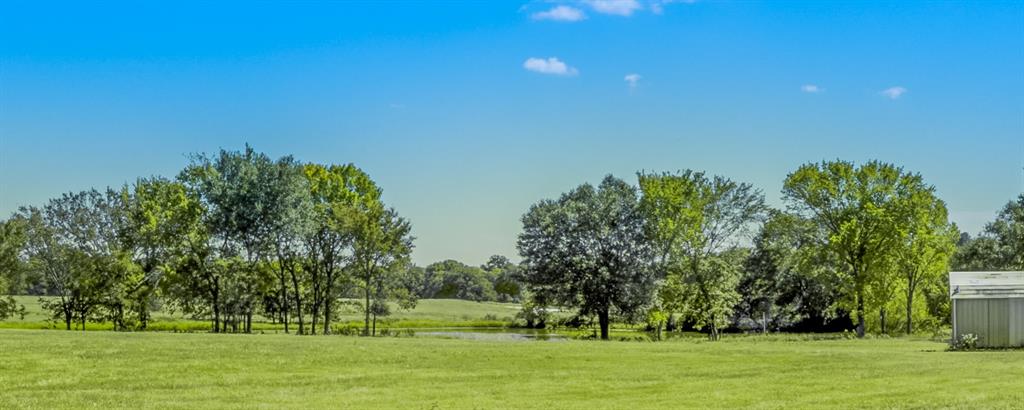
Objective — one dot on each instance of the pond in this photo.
(494, 335)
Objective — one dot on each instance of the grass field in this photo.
(429, 313)
(59, 369)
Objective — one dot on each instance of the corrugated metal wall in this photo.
(997, 322)
(1017, 322)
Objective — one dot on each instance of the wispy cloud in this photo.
(551, 65)
(632, 79)
(615, 7)
(658, 6)
(893, 93)
(811, 88)
(560, 13)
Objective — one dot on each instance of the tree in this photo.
(786, 282)
(381, 250)
(504, 277)
(1000, 245)
(857, 209)
(69, 240)
(460, 281)
(12, 241)
(588, 250)
(693, 219)
(288, 200)
(149, 228)
(240, 193)
(927, 243)
(340, 196)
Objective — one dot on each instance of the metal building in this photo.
(989, 305)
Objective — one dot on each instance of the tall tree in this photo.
(927, 243)
(288, 200)
(339, 194)
(588, 250)
(692, 220)
(69, 240)
(383, 243)
(12, 241)
(857, 210)
(237, 190)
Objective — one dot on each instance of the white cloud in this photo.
(632, 79)
(551, 65)
(658, 6)
(616, 7)
(893, 93)
(811, 88)
(560, 13)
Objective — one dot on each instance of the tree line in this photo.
(239, 234)
(867, 247)
(234, 235)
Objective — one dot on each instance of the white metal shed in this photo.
(989, 305)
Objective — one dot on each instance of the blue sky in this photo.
(466, 113)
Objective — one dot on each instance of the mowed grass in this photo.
(428, 313)
(60, 369)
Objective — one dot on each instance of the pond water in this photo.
(495, 335)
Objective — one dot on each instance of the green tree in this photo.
(693, 221)
(68, 241)
(588, 250)
(1000, 246)
(383, 243)
(787, 282)
(240, 193)
(461, 281)
(340, 196)
(927, 243)
(12, 241)
(857, 209)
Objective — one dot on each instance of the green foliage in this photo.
(1000, 246)
(588, 250)
(693, 220)
(860, 210)
(786, 282)
(962, 342)
(456, 280)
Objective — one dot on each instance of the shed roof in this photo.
(986, 285)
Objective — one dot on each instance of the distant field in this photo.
(59, 369)
(428, 313)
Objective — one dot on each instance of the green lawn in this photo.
(427, 314)
(60, 369)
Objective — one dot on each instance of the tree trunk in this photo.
(316, 314)
(366, 320)
(68, 318)
(374, 331)
(909, 312)
(882, 318)
(284, 300)
(298, 301)
(216, 306)
(328, 294)
(860, 314)
(603, 320)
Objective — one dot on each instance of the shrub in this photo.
(967, 341)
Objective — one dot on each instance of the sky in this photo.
(466, 113)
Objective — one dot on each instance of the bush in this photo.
(963, 342)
